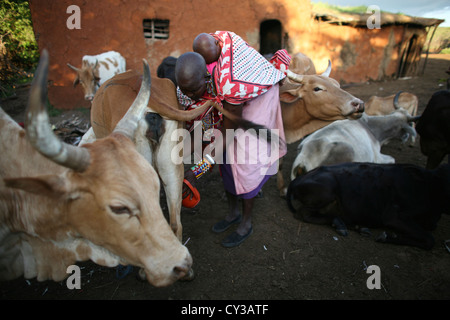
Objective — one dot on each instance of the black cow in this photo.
(406, 199)
(434, 128)
(167, 69)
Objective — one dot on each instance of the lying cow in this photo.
(95, 70)
(406, 199)
(378, 106)
(352, 141)
(60, 204)
(434, 128)
(310, 102)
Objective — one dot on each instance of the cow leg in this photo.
(280, 181)
(434, 160)
(174, 199)
(172, 178)
(422, 239)
(406, 232)
(170, 173)
(312, 216)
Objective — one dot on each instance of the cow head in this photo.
(322, 97)
(88, 77)
(101, 202)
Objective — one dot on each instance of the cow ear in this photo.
(76, 81)
(48, 185)
(288, 97)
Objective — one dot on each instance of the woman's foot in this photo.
(223, 225)
(235, 239)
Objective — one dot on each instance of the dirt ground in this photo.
(284, 259)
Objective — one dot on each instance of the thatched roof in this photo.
(360, 20)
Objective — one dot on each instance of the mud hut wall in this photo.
(357, 54)
(118, 25)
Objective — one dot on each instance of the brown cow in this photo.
(155, 143)
(60, 204)
(379, 106)
(302, 64)
(310, 102)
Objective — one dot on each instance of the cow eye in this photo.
(317, 89)
(120, 210)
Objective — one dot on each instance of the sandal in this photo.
(223, 225)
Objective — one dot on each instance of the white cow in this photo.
(95, 70)
(352, 141)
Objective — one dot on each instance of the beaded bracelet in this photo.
(203, 166)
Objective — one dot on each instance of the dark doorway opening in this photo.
(409, 58)
(270, 35)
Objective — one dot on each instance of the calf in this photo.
(404, 198)
(352, 141)
(434, 128)
(95, 70)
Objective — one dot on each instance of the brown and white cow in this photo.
(310, 102)
(60, 204)
(95, 70)
(154, 136)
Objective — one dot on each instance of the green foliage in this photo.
(19, 52)
(321, 6)
(441, 40)
(16, 33)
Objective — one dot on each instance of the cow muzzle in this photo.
(357, 109)
(181, 271)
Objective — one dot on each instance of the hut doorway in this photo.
(270, 35)
(410, 58)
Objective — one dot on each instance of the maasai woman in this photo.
(241, 80)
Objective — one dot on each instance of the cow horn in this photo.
(410, 132)
(38, 128)
(72, 67)
(396, 105)
(293, 76)
(413, 118)
(327, 72)
(129, 123)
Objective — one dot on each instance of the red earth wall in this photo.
(357, 54)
